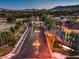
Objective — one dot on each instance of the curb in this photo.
(49, 46)
(73, 56)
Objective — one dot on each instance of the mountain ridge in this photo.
(55, 9)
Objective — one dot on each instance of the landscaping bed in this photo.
(5, 50)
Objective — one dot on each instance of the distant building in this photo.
(57, 18)
(36, 22)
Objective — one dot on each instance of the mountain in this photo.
(4, 9)
(71, 8)
(30, 10)
(27, 10)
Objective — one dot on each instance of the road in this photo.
(28, 50)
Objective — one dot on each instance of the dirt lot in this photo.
(4, 26)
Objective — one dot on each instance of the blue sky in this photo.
(40, 4)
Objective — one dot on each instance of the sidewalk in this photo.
(49, 47)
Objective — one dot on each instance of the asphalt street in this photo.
(28, 50)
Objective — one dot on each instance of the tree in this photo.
(18, 24)
(12, 30)
(11, 19)
(51, 24)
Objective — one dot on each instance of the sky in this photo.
(37, 4)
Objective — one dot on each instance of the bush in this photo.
(11, 19)
(7, 38)
(12, 30)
